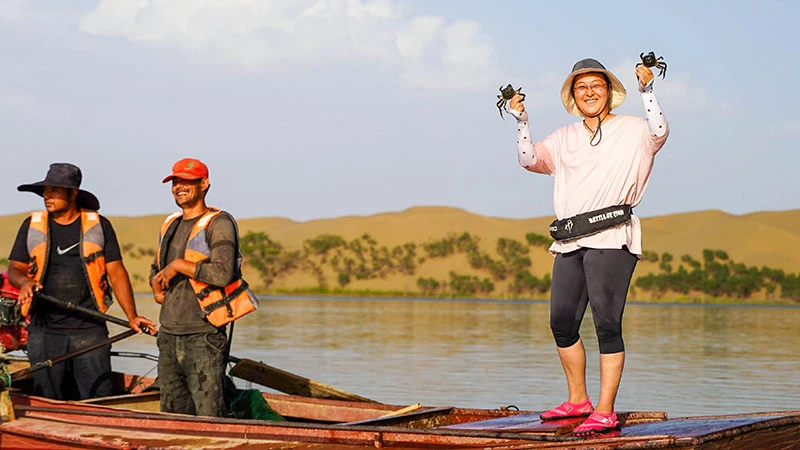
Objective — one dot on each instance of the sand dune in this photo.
(763, 238)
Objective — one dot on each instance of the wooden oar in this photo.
(24, 373)
(288, 383)
(246, 369)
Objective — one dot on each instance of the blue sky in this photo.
(324, 108)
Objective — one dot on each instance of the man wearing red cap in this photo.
(196, 278)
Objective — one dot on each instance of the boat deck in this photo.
(131, 424)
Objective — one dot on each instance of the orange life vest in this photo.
(92, 256)
(220, 305)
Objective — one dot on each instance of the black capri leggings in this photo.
(600, 277)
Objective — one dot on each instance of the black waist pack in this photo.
(590, 223)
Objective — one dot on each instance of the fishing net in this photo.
(249, 404)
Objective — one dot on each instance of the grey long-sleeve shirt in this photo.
(180, 312)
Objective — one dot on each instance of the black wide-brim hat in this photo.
(67, 176)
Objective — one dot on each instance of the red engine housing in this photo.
(13, 328)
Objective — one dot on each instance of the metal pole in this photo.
(82, 310)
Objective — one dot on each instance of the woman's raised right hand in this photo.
(516, 103)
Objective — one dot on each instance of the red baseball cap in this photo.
(188, 169)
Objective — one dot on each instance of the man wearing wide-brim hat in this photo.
(70, 252)
(601, 166)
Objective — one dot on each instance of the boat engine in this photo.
(13, 327)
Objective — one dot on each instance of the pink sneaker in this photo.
(597, 423)
(568, 409)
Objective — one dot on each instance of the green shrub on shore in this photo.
(719, 277)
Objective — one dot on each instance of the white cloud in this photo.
(261, 33)
(453, 57)
(782, 130)
(418, 36)
(13, 10)
(465, 44)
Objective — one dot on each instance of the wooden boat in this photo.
(131, 420)
(319, 416)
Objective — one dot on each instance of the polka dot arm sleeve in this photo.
(655, 117)
(525, 152)
(533, 157)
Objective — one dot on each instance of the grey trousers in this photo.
(190, 373)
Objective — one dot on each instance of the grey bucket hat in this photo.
(590, 65)
(64, 175)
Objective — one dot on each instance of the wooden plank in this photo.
(420, 418)
(32, 433)
(400, 411)
(299, 408)
(698, 428)
(289, 383)
(110, 423)
(531, 423)
(521, 423)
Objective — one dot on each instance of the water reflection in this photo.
(686, 360)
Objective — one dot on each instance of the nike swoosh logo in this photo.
(61, 252)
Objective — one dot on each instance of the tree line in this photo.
(718, 276)
(364, 258)
(715, 275)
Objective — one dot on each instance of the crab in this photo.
(650, 60)
(506, 94)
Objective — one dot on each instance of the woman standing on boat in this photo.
(601, 166)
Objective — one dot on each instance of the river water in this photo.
(682, 359)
